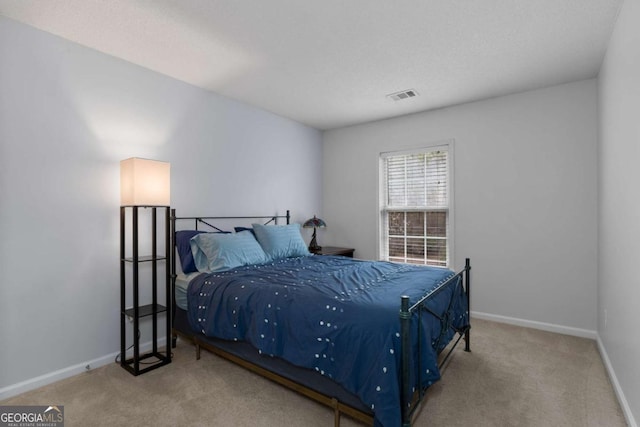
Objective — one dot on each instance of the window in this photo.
(415, 209)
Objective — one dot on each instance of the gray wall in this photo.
(525, 197)
(68, 115)
(619, 215)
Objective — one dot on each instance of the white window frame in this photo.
(383, 240)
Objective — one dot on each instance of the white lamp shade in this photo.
(145, 182)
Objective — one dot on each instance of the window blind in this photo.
(417, 181)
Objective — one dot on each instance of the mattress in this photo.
(182, 284)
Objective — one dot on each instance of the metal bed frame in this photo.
(410, 399)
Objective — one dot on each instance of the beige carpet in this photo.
(513, 377)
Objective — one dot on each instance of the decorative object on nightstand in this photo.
(144, 184)
(335, 250)
(314, 223)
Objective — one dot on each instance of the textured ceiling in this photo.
(330, 63)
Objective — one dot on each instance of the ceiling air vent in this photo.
(405, 94)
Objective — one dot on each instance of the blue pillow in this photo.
(184, 249)
(239, 229)
(220, 252)
(281, 241)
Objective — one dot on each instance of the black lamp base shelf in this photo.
(145, 310)
(130, 283)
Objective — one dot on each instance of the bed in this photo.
(363, 337)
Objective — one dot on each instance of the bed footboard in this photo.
(410, 400)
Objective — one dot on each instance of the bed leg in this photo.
(197, 351)
(405, 345)
(336, 412)
(174, 340)
(467, 279)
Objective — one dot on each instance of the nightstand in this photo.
(334, 250)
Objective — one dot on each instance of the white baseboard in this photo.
(51, 377)
(550, 327)
(624, 404)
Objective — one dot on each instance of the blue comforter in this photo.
(335, 315)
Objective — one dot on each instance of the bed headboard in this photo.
(206, 221)
(213, 223)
